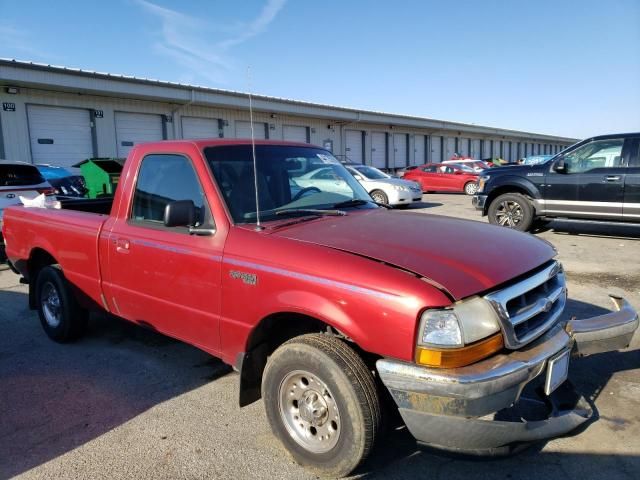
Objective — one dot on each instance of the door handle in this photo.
(122, 245)
(612, 178)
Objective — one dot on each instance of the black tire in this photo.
(470, 188)
(379, 196)
(511, 210)
(60, 315)
(349, 391)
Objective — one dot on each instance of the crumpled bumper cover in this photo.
(478, 407)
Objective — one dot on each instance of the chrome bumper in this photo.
(478, 201)
(442, 407)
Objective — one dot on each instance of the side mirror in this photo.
(181, 213)
(560, 166)
(458, 172)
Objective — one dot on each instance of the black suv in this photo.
(595, 179)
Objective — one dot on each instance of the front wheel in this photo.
(511, 210)
(379, 196)
(471, 188)
(321, 402)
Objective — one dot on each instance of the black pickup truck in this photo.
(597, 179)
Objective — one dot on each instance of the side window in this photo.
(431, 169)
(163, 179)
(598, 154)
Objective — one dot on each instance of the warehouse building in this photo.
(57, 115)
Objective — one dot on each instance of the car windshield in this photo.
(19, 175)
(371, 173)
(290, 180)
(464, 167)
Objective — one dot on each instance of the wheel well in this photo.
(271, 332)
(38, 259)
(502, 190)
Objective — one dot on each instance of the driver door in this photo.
(592, 183)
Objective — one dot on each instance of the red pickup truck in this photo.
(327, 303)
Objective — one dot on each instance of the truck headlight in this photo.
(482, 181)
(461, 335)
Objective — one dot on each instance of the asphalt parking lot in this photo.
(128, 403)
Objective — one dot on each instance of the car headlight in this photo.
(482, 181)
(461, 335)
(399, 188)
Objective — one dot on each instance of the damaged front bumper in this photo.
(481, 407)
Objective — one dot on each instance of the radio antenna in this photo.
(253, 152)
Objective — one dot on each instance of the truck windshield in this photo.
(289, 178)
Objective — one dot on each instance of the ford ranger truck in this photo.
(597, 179)
(327, 304)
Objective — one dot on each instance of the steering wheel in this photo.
(299, 195)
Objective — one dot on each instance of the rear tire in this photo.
(322, 403)
(511, 210)
(60, 315)
(379, 196)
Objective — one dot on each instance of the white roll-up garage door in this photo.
(378, 149)
(436, 149)
(295, 133)
(496, 149)
(463, 147)
(418, 150)
(134, 128)
(58, 135)
(475, 149)
(399, 150)
(486, 149)
(450, 148)
(506, 150)
(197, 127)
(243, 130)
(353, 146)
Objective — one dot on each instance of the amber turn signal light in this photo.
(459, 357)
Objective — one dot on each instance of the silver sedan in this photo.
(386, 189)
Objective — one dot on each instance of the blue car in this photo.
(65, 183)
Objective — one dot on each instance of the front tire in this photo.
(60, 315)
(322, 403)
(470, 188)
(511, 210)
(379, 196)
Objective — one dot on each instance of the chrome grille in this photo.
(530, 307)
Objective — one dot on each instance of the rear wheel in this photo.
(470, 188)
(60, 315)
(379, 196)
(511, 210)
(322, 403)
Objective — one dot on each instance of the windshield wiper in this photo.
(356, 202)
(311, 211)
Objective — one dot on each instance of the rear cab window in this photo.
(162, 179)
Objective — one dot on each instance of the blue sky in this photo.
(568, 68)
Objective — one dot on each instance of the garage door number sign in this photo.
(8, 107)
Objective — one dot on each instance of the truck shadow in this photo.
(54, 398)
(620, 231)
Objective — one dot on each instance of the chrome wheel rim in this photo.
(51, 305)
(378, 198)
(509, 213)
(309, 411)
(471, 188)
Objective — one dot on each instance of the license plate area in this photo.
(557, 371)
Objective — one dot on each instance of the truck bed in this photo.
(70, 235)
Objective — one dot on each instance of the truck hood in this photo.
(462, 257)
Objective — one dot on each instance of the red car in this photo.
(440, 177)
(317, 301)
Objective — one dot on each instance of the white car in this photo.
(386, 189)
(19, 179)
(475, 165)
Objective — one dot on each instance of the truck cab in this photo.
(597, 179)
